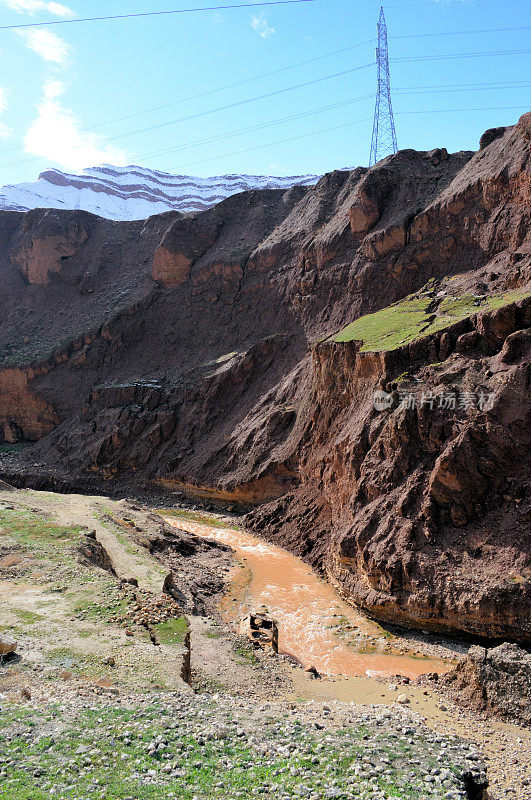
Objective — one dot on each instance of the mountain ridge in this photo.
(133, 192)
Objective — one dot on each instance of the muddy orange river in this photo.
(306, 608)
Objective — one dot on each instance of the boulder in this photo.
(261, 630)
(7, 646)
(495, 681)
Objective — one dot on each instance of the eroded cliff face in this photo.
(189, 351)
(420, 511)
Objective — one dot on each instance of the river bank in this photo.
(90, 639)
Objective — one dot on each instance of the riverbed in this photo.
(316, 626)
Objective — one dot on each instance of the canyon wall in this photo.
(208, 353)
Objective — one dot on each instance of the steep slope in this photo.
(194, 351)
(131, 193)
(413, 490)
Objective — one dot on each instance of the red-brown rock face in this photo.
(184, 350)
(23, 414)
(44, 243)
(422, 512)
(182, 244)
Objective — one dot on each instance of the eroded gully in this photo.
(309, 612)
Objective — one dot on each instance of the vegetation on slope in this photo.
(419, 314)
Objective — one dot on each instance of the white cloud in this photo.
(47, 45)
(56, 136)
(262, 27)
(53, 89)
(34, 6)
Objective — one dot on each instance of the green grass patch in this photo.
(98, 609)
(409, 319)
(244, 652)
(211, 634)
(33, 529)
(105, 753)
(171, 632)
(29, 617)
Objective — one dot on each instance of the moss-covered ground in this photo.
(413, 317)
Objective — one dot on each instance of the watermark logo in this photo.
(382, 400)
(428, 398)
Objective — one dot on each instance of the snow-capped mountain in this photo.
(128, 193)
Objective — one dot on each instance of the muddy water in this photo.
(310, 614)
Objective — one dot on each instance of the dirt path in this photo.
(129, 561)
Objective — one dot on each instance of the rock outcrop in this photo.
(44, 242)
(496, 682)
(7, 647)
(201, 352)
(420, 510)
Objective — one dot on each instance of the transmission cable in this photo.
(152, 14)
(234, 85)
(242, 102)
(338, 127)
(458, 33)
(280, 120)
(444, 56)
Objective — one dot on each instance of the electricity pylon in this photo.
(383, 131)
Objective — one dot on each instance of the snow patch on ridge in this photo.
(130, 193)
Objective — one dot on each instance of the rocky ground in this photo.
(216, 746)
(101, 683)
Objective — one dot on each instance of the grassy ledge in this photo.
(415, 316)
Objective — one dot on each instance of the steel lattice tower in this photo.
(383, 133)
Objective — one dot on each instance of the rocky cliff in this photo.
(237, 353)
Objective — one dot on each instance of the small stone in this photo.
(402, 698)
(7, 646)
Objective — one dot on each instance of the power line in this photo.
(403, 90)
(152, 14)
(259, 126)
(437, 88)
(282, 141)
(271, 73)
(215, 110)
(344, 125)
(450, 87)
(243, 102)
(286, 42)
(234, 85)
(300, 86)
(458, 33)
(309, 83)
(460, 110)
(444, 56)
(326, 130)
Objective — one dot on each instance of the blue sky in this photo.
(145, 91)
